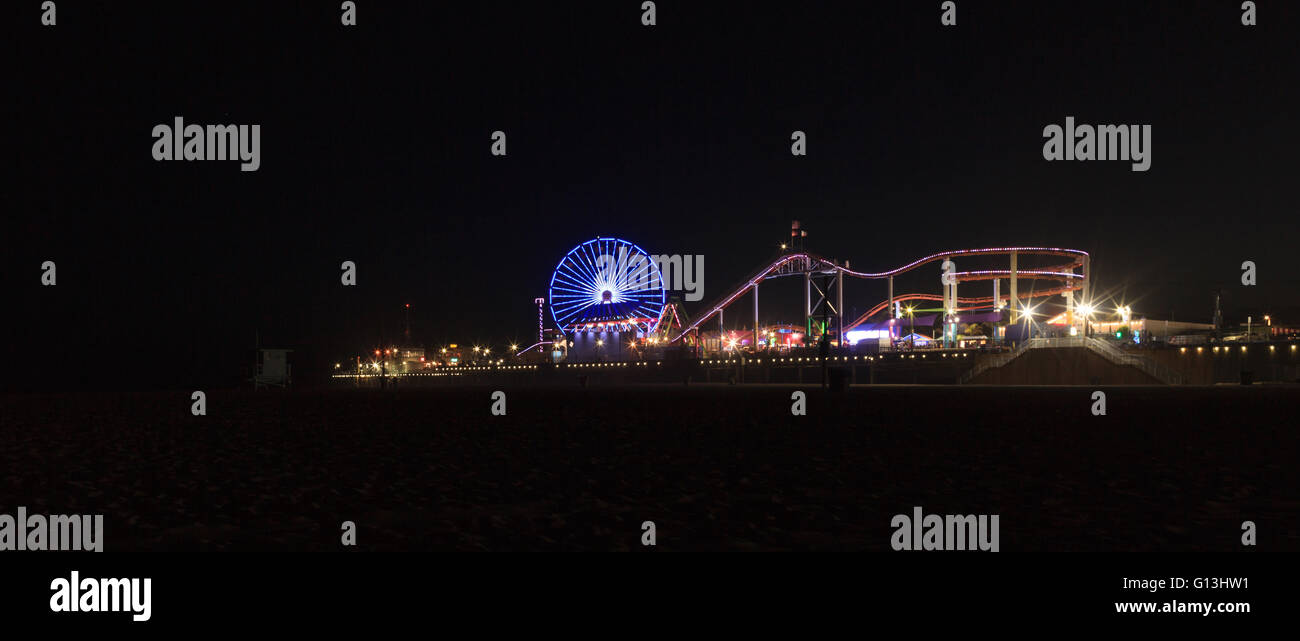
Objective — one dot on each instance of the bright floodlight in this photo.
(1085, 310)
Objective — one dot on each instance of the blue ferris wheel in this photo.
(606, 284)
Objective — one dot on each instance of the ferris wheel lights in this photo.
(606, 283)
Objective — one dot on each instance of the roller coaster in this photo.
(812, 267)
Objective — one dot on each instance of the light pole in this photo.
(1085, 310)
(1029, 322)
(911, 328)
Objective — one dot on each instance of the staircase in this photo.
(1095, 345)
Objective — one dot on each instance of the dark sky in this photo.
(375, 148)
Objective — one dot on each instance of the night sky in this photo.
(375, 148)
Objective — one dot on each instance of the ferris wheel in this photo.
(606, 284)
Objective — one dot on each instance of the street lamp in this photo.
(911, 327)
(950, 327)
(1085, 310)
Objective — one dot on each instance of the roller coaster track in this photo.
(805, 262)
(977, 301)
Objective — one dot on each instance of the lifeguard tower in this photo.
(273, 368)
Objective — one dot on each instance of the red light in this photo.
(376, 352)
(408, 305)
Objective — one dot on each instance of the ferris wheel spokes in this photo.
(606, 282)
